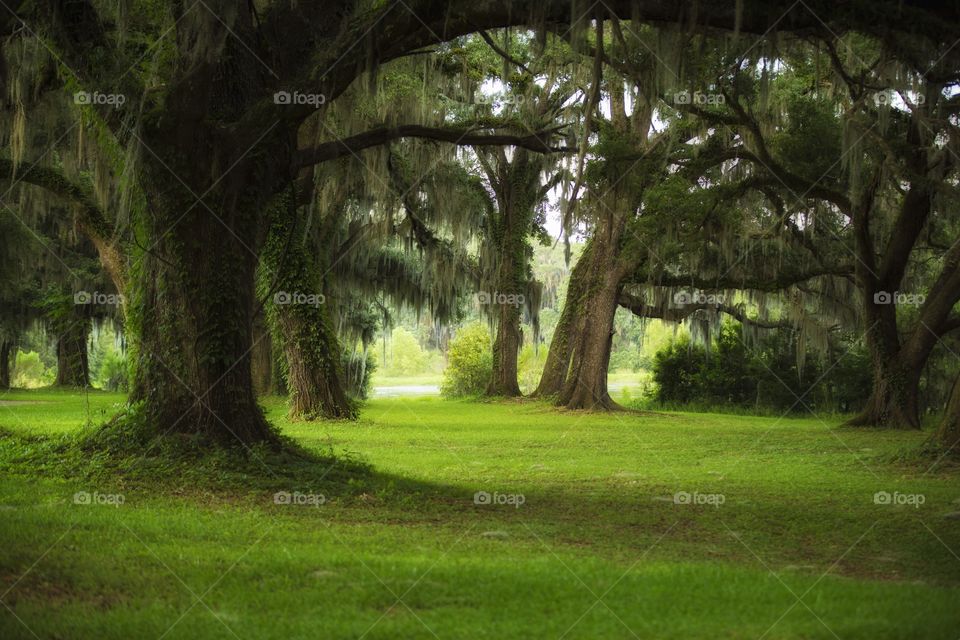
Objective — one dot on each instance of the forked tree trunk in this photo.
(557, 365)
(72, 364)
(948, 433)
(6, 351)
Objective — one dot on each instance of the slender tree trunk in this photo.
(72, 365)
(506, 346)
(6, 351)
(558, 357)
(948, 433)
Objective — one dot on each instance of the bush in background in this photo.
(469, 362)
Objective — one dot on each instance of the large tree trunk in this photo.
(192, 308)
(6, 351)
(585, 386)
(72, 365)
(557, 366)
(314, 373)
(948, 433)
(894, 400)
(300, 323)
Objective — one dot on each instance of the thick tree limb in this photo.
(464, 136)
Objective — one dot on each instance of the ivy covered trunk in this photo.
(72, 365)
(557, 366)
(297, 314)
(193, 300)
(6, 355)
(948, 433)
(507, 297)
(261, 358)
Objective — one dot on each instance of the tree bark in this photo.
(299, 321)
(72, 366)
(506, 345)
(558, 357)
(948, 433)
(261, 359)
(6, 351)
(585, 386)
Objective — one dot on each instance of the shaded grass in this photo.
(598, 521)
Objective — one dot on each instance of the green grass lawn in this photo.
(782, 537)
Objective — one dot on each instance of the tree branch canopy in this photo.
(464, 136)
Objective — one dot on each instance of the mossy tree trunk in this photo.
(557, 364)
(300, 326)
(72, 363)
(585, 386)
(506, 298)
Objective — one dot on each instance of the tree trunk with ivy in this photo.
(506, 300)
(300, 326)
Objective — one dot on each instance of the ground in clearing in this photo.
(597, 526)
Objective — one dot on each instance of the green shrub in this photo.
(29, 372)
(112, 373)
(469, 362)
(406, 356)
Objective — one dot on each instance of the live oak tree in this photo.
(210, 148)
